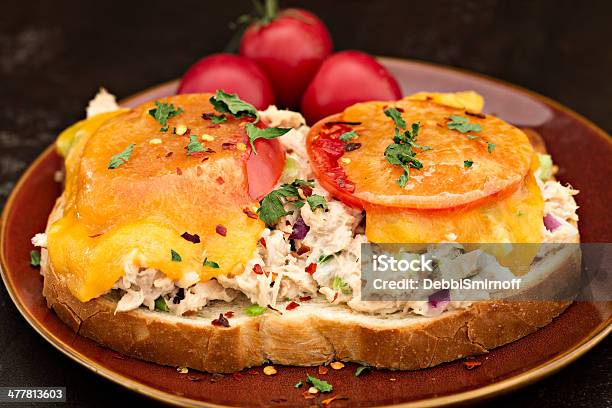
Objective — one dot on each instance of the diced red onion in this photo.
(439, 299)
(551, 222)
(300, 229)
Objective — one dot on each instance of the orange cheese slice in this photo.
(136, 214)
(513, 219)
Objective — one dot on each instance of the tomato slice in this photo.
(325, 148)
(264, 168)
(501, 155)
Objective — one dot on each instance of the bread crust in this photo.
(298, 339)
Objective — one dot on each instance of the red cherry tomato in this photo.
(264, 168)
(233, 74)
(344, 79)
(289, 49)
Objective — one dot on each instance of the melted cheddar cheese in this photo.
(138, 213)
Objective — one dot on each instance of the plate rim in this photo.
(486, 392)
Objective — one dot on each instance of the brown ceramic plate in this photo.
(584, 154)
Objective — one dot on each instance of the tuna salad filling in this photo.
(314, 250)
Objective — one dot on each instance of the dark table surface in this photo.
(55, 54)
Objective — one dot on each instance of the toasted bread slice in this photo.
(316, 332)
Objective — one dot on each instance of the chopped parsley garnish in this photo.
(339, 284)
(160, 304)
(232, 104)
(463, 125)
(210, 264)
(320, 385)
(195, 146)
(255, 310)
(400, 152)
(315, 201)
(490, 147)
(34, 258)
(324, 258)
(348, 136)
(255, 133)
(121, 158)
(272, 206)
(361, 369)
(216, 119)
(394, 114)
(163, 112)
(175, 256)
(467, 163)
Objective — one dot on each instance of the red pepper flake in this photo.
(194, 239)
(476, 114)
(262, 241)
(229, 314)
(328, 401)
(253, 372)
(471, 364)
(208, 115)
(199, 171)
(197, 154)
(213, 126)
(221, 230)
(237, 376)
(220, 180)
(257, 269)
(228, 146)
(305, 298)
(292, 306)
(400, 109)
(249, 213)
(168, 154)
(276, 310)
(349, 147)
(323, 370)
(311, 268)
(308, 395)
(335, 297)
(205, 158)
(221, 321)
(179, 171)
(303, 249)
(306, 190)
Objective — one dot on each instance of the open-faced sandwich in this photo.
(196, 231)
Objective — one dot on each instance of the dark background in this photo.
(55, 54)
